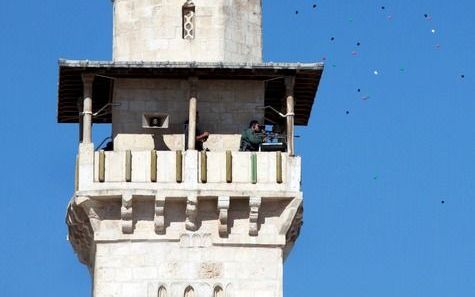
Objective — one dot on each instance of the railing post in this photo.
(289, 86)
(128, 166)
(278, 167)
(153, 166)
(102, 166)
(229, 167)
(204, 167)
(254, 168)
(179, 167)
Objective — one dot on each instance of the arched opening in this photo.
(218, 292)
(189, 292)
(162, 292)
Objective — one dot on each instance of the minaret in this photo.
(155, 215)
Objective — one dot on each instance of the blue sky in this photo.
(375, 171)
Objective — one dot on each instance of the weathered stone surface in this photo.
(131, 263)
(250, 270)
(210, 270)
(151, 30)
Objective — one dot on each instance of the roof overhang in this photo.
(70, 87)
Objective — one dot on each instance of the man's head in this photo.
(254, 126)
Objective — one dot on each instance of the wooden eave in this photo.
(70, 86)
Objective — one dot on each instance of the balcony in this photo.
(174, 173)
(228, 198)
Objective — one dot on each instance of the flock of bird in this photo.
(376, 72)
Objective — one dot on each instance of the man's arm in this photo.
(253, 138)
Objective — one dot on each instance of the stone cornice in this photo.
(86, 216)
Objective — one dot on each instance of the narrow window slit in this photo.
(218, 292)
(188, 16)
(162, 292)
(189, 292)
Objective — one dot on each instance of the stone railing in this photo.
(275, 171)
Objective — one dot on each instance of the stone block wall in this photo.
(139, 269)
(225, 107)
(151, 30)
(243, 31)
(137, 265)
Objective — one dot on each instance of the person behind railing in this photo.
(201, 136)
(252, 137)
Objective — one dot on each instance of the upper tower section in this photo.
(188, 30)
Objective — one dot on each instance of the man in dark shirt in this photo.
(250, 138)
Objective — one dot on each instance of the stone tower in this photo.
(155, 215)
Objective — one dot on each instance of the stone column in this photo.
(289, 86)
(192, 114)
(87, 79)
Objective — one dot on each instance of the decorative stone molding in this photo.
(297, 223)
(211, 270)
(289, 214)
(223, 207)
(81, 234)
(191, 213)
(195, 240)
(126, 214)
(294, 231)
(254, 204)
(159, 219)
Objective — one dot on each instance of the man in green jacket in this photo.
(250, 138)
